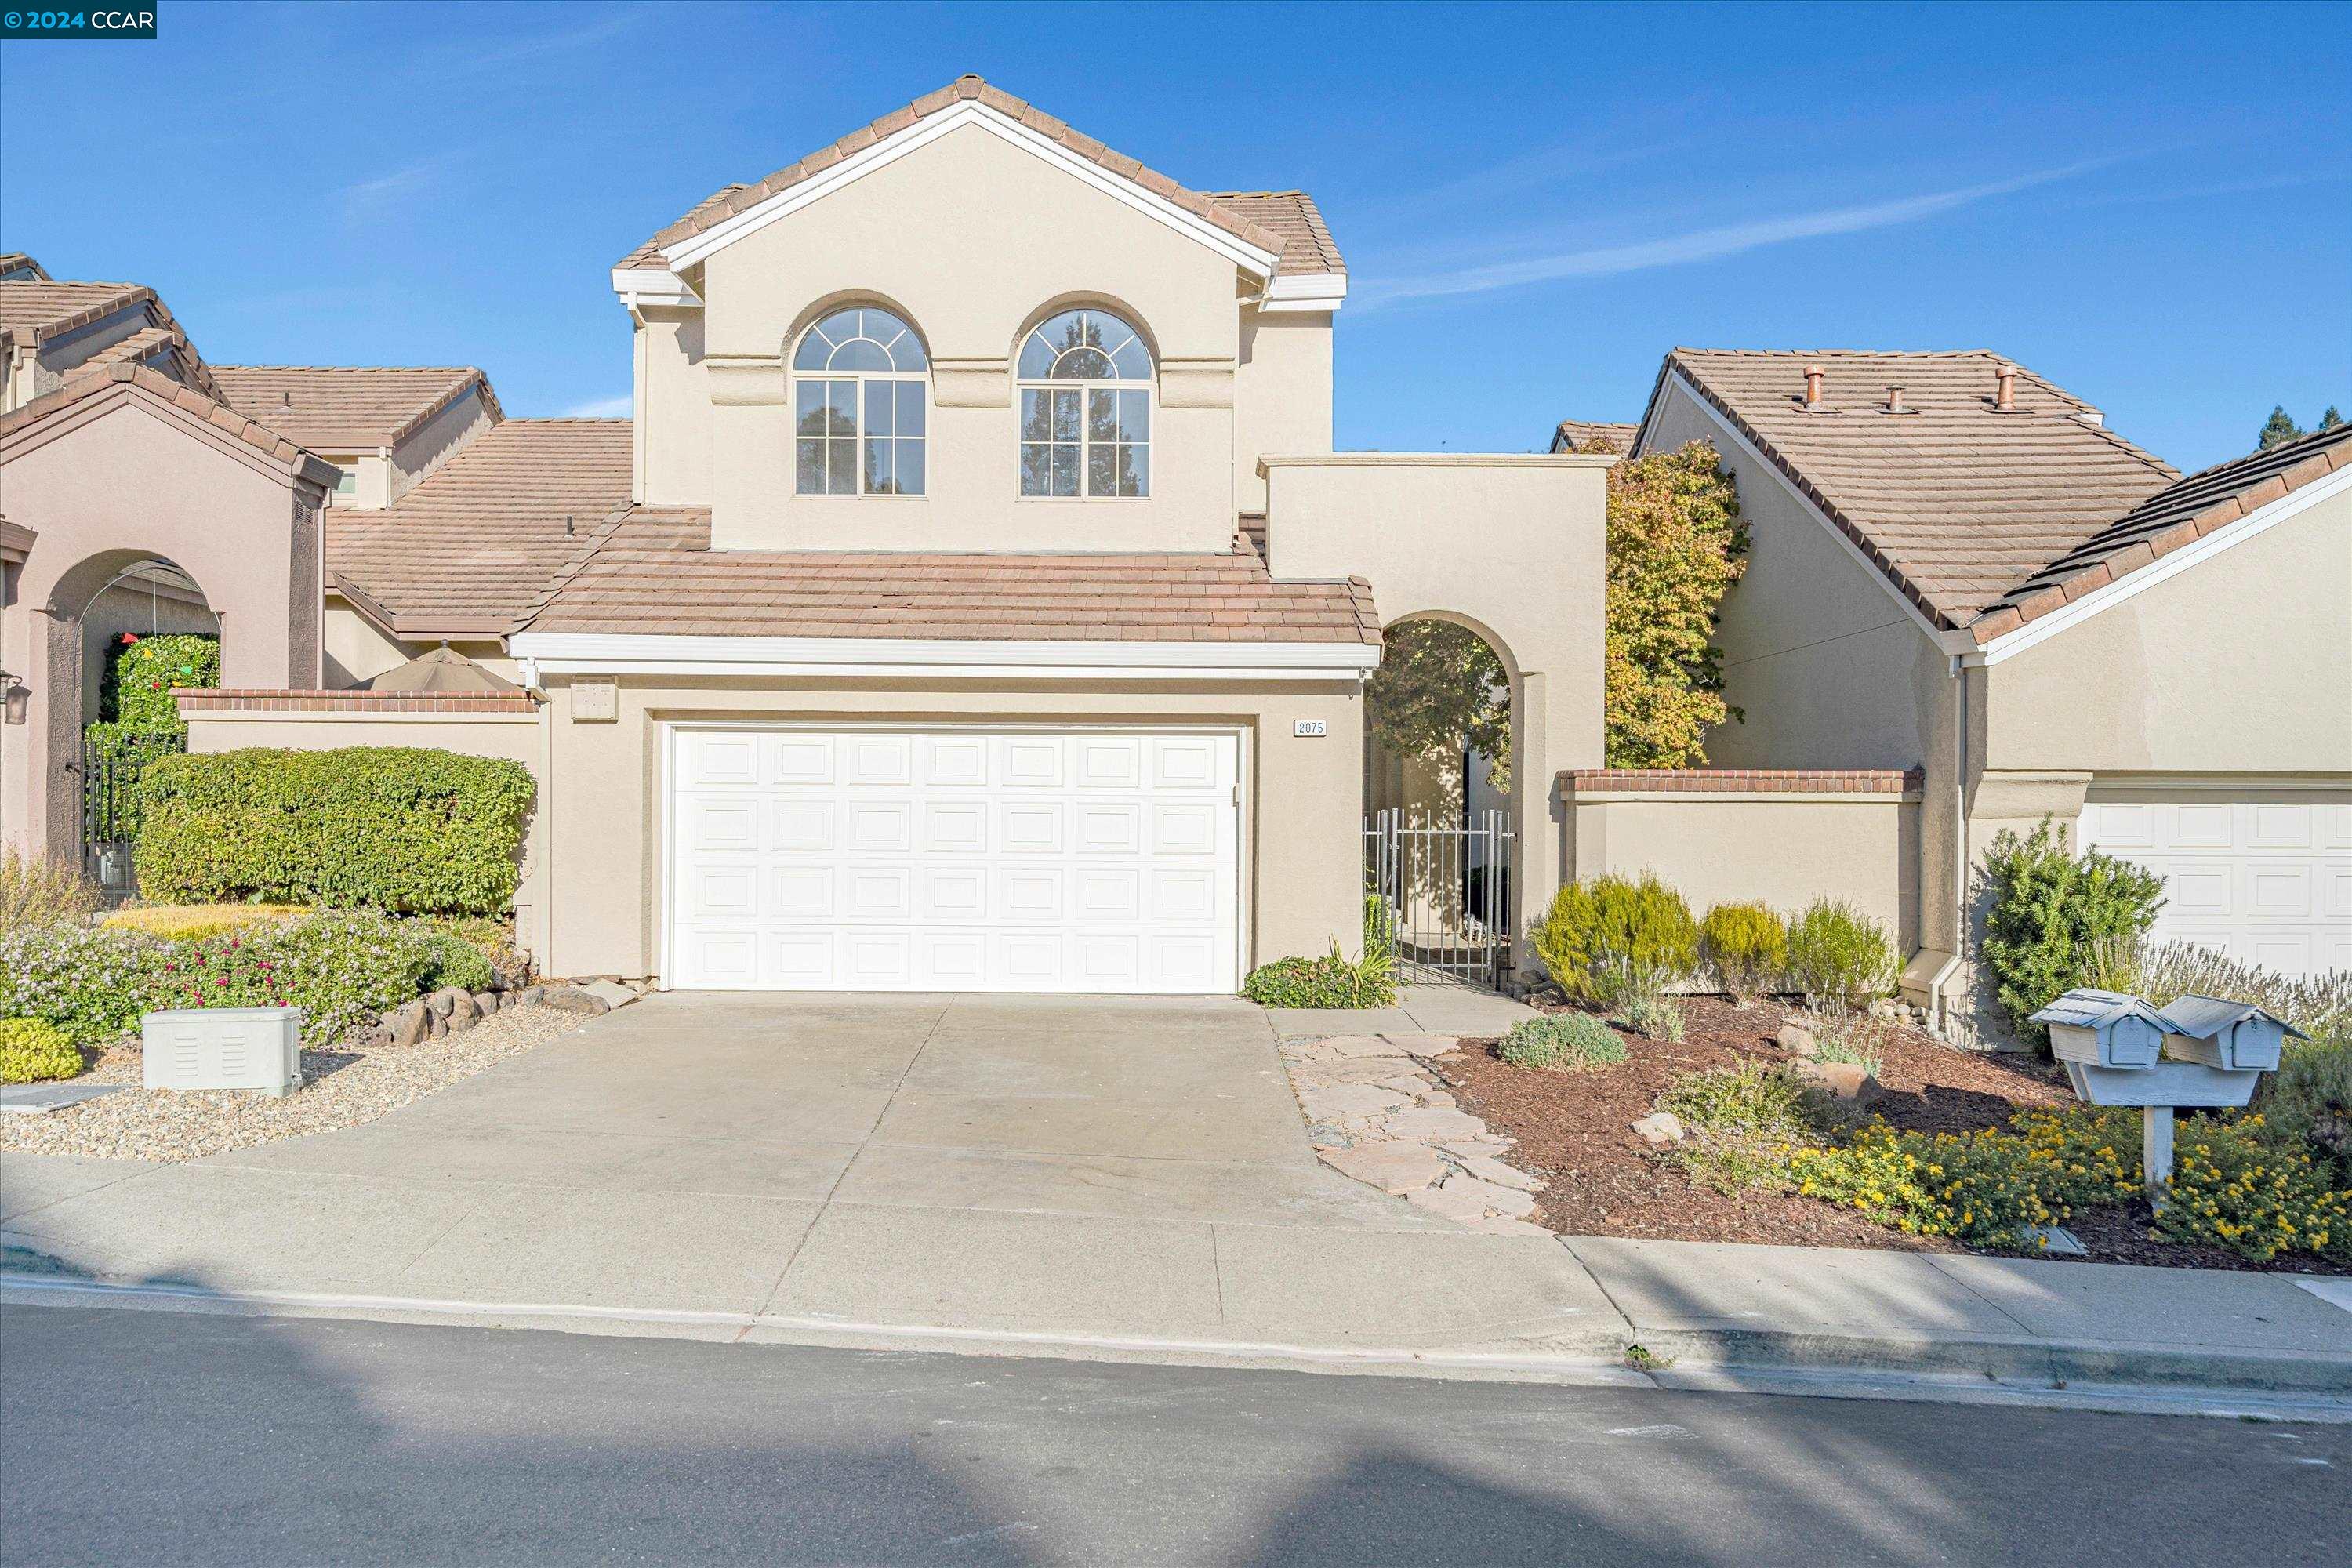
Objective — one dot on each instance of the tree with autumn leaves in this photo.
(1676, 546)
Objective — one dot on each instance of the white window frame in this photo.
(859, 379)
(1085, 388)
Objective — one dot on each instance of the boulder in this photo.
(456, 1005)
(436, 1025)
(486, 1002)
(409, 1024)
(441, 1001)
(1844, 1080)
(574, 999)
(1798, 1040)
(1660, 1130)
(531, 996)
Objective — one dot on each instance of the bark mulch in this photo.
(1573, 1130)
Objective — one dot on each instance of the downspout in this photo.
(1960, 835)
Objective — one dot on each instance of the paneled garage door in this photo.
(2268, 881)
(954, 859)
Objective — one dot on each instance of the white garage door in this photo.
(954, 859)
(2267, 880)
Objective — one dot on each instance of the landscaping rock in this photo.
(1350, 1099)
(410, 1024)
(574, 999)
(611, 993)
(441, 1001)
(1486, 1168)
(1359, 1046)
(456, 1006)
(486, 1002)
(1846, 1081)
(1455, 1201)
(1798, 1040)
(1393, 1167)
(436, 1025)
(530, 996)
(1660, 1130)
(1434, 1125)
(1490, 1197)
(1424, 1044)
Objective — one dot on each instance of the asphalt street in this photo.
(149, 1436)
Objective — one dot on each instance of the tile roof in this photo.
(17, 261)
(89, 381)
(1579, 435)
(1306, 243)
(2174, 516)
(1957, 501)
(468, 550)
(335, 409)
(143, 345)
(37, 309)
(655, 572)
(727, 202)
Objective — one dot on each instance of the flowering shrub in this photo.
(2234, 1185)
(91, 983)
(1984, 1188)
(343, 967)
(135, 689)
(33, 1052)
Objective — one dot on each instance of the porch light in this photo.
(16, 695)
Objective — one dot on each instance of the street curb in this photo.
(1696, 1361)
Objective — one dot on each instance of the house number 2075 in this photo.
(1307, 728)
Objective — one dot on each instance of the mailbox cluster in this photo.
(2199, 1052)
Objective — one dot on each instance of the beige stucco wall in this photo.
(103, 484)
(1785, 850)
(1301, 844)
(1510, 545)
(1025, 239)
(2240, 663)
(1282, 393)
(515, 737)
(357, 651)
(670, 444)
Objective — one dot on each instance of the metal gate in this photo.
(1447, 889)
(110, 803)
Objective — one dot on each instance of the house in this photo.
(1960, 572)
(974, 599)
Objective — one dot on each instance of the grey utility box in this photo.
(223, 1047)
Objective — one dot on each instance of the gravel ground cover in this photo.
(340, 1088)
(1574, 1130)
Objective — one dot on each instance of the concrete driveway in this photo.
(1079, 1166)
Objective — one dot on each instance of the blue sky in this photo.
(2151, 206)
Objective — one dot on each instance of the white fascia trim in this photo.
(2163, 569)
(1952, 642)
(751, 220)
(652, 286)
(1305, 291)
(591, 653)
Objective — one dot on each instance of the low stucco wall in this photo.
(603, 793)
(1723, 836)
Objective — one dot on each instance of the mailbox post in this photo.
(2198, 1053)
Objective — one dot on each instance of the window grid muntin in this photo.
(1085, 408)
(862, 375)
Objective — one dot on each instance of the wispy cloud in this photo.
(618, 407)
(1707, 244)
(473, 59)
(365, 200)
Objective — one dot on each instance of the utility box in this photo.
(2235, 1036)
(223, 1047)
(2103, 1029)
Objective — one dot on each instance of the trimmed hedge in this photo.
(32, 1051)
(402, 828)
(135, 692)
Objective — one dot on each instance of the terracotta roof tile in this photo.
(729, 200)
(340, 408)
(1306, 243)
(469, 549)
(35, 310)
(17, 261)
(2173, 518)
(94, 379)
(1592, 435)
(1959, 502)
(655, 572)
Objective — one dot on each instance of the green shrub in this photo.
(2053, 914)
(1327, 982)
(1747, 944)
(1838, 956)
(92, 983)
(1611, 939)
(1741, 1122)
(181, 922)
(405, 829)
(32, 1051)
(1654, 1017)
(35, 891)
(1562, 1042)
(344, 968)
(2310, 1097)
(135, 689)
(451, 960)
(2236, 1182)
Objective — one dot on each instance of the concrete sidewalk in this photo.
(1117, 1179)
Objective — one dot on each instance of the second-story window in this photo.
(1086, 407)
(858, 406)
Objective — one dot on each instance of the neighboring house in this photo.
(974, 600)
(49, 329)
(1956, 568)
(1592, 435)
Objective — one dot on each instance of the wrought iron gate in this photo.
(110, 803)
(1447, 887)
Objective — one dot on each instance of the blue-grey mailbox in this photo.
(2105, 1029)
(2237, 1036)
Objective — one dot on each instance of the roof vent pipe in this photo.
(2004, 388)
(1895, 400)
(1812, 386)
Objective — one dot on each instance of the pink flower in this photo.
(221, 982)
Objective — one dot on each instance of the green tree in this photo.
(1440, 691)
(2278, 430)
(2331, 418)
(1675, 547)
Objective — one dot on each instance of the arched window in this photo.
(1086, 407)
(858, 406)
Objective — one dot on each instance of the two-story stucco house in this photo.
(973, 600)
